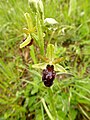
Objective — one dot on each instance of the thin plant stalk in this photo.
(52, 103)
(49, 114)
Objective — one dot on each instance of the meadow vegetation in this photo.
(23, 96)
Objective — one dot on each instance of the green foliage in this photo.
(60, 30)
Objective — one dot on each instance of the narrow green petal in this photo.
(59, 68)
(39, 66)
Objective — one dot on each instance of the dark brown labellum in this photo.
(48, 75)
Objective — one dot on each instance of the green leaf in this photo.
(84, 112)
(31, 101)
(82, 96)
(34, 90)
(26, 42)
(72, 114)
(86, 50)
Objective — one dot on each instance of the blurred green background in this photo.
(69, 98)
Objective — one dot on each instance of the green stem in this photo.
(49, 114)
(32, 53)
(52, 103)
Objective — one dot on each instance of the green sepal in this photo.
(29, 21)
(50, 52)
(26, 42)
